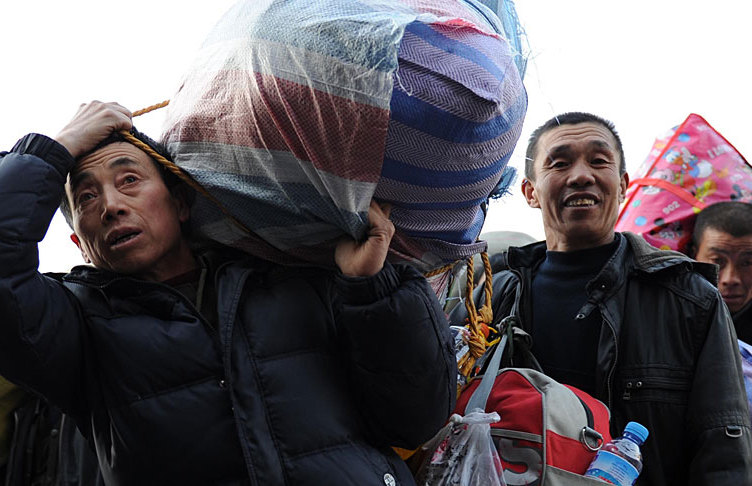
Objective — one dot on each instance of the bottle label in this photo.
(613, 469)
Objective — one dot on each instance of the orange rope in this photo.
(151, 108)
(440, 270)
(477, 318)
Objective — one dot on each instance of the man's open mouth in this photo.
(580, 201)
(123, 238)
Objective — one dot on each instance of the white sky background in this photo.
(643, 64)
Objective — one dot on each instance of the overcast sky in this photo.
(643, 64)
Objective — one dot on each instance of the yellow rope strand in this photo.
(440, 270)
(151, 108)
(477, 341)
(486, 311)
(469, 290)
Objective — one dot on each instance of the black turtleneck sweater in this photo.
(565, 346)
(743, 323)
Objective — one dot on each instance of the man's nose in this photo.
(729, 276)
(113, 204)
(580, 174)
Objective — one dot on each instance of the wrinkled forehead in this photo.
(109, 158)
(576, 138)
(714, 240)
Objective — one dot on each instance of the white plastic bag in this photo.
(463, 454)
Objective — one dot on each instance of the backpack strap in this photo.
(480, 395)
(509, 327)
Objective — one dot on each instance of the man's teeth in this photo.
(581, 202)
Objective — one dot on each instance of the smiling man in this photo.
(185, 366)
(641, 329)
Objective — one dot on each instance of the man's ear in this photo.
(529, 192)
(623, 187)
(74, 239)
(182, 197)
(691, 249)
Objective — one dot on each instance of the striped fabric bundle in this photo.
(297, 113)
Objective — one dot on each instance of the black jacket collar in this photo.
(645, 258)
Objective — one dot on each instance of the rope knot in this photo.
(478, 320)
(485, 314)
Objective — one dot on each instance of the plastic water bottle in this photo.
(620, 461)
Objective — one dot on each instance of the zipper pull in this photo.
(584, 311)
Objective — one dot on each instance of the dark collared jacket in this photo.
(307, 378)
(667, 358)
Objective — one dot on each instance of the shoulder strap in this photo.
(509, 328)
(480, 395)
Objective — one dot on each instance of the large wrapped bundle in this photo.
(297, 113)
(688, 169)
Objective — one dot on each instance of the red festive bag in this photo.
(690, 168)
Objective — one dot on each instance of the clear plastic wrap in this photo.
(296, 114)
(462, 453)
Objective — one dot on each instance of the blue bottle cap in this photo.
(637, 430)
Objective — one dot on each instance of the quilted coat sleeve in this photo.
(401, 360)
(40, 328)
(719, 424)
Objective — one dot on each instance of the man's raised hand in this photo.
(93, 123)
(367, 258)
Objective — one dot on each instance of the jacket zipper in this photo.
(216, 339)
(610, 377)
(253, 479)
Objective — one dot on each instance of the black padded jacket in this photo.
(307, 379)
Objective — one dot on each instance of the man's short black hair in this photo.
(732, 217)
(171, 180)
(571, 118)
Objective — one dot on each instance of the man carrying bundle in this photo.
(185, 367)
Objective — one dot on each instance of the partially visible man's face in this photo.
(124, 217)
(734, 257)
(577, 186)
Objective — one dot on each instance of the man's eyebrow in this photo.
(559, 150)
(78, 178)
(566, 149)
(601, 145)
(724, 251)
(122, 161)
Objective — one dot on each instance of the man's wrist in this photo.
(365, 290)
(46, 149)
